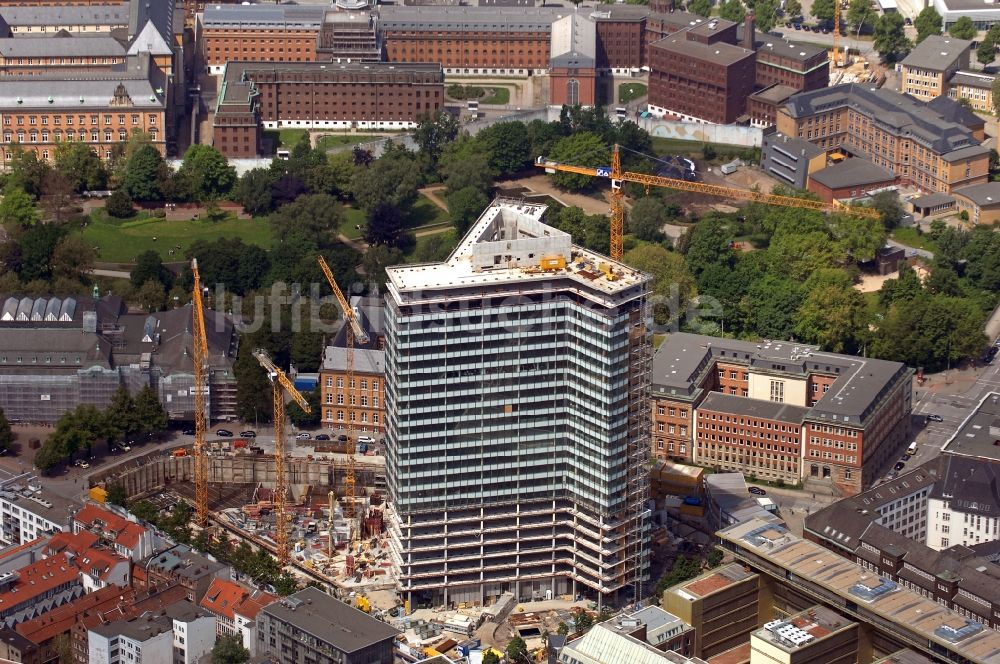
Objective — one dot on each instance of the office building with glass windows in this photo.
(517, 374)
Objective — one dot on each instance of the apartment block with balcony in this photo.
(517, 417)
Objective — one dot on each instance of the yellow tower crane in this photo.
(355, 333)
(199, 354)
(280, 384)
(618, 177)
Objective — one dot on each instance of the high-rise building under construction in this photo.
(517, 373)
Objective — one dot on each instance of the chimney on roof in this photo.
(748, 31)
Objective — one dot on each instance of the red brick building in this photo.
(572, 68)
(321, 96)
(621, 37)
(473, 40)
(698, 75)
(851, 178)
(271, 33)
(778, 410)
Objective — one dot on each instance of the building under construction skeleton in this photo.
(517, 418)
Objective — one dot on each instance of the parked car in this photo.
(899, 466)
(188, 432)
(366, 439)
(342, 438)
(757, 491)
(84, 464)
(322, 436)
(934, 418)
(250, 433)
(223, 433)
(303, 435)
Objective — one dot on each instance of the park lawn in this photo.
(446, 238)
(338, 140)
(909, 236)
(121, 242)
(673, 146)
(423, 213)
(498, 96)
(630, 91)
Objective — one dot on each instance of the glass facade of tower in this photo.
(517, 440)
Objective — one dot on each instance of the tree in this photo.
(73, 258)
(927, 23)
(890, 207)
(646, 219)
(823, 10)
(700, 7)
(119, 205)
(149, 265)
(149, 412)
(6, 434)
(301, 418)
(207, 172)
(144, 174)
(793, 9)
(117, 495)
(517, 651)
(253, 390)
(563, 628)
(17, 209)
(25, 170)
(253, 191)
(766, 14)
(389, 179)
(229, 650)
(832, 315)
(144, 510)
(580, 149)
(859, 13)
(987, 51)
(151, 296)
(684, 569)
(385, 225)
(490, 657)
(37, 246)
(673, 287)
(464, 163)
(715, 557)
(80, 164)
(890, 41)
(433, 132)
(316, 217)
(376, 259)
(57, 196)
(963, 28)
(582, 622)
(509, 147)
(732, 10)
(465, 206)
(708, 245)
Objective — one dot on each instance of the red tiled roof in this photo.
(76, 544)
(98, 562)
(223, 596)
(39, 578)
(127, 611)
(60, 620)
(125, 532)
(253, 603)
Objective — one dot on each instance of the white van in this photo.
(912, 449)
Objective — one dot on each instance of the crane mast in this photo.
(280, 384)
(354, 331)
(617, 177)
(200, 361)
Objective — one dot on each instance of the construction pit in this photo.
(241, 500)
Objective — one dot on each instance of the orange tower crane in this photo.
(618, 177)
(280, 384)
(199, 354)
(355, 333)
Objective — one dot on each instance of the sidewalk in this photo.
(954, 382)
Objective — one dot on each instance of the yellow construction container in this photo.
(608, 271)
(553, 263)
(98, 494)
